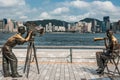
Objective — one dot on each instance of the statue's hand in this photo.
(105, 38)
(30, 31)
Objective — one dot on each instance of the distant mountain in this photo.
(91, 20)
(62, 23)
(53, 21)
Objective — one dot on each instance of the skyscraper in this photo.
(106, 23)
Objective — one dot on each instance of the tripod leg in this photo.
(27, 56)
(116, 67)
(36, 58)
(118, 64)
(33, 59)
(29, 60)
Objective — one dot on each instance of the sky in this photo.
(67, 10)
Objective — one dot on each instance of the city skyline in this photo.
(67, 10)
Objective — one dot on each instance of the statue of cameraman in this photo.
(112, 45)
(9, 59)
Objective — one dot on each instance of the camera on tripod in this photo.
(36, 30)
(31, 50)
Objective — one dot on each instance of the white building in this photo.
(49, 27)
(9, 25)
(83, 27)
(56, 28)
(61, 28)
(89, 27)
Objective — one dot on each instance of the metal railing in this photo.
(63, 47)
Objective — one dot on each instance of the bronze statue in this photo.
(9, 59)
(111, 44)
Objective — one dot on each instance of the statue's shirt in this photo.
(14, 40)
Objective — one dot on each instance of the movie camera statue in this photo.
(31, 47)
(35, 29)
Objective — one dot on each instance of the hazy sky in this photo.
(67, 10)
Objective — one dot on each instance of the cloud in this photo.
(23, 17)
(76, 10)
(71, 18)
(11, 3)
(95, 5)
(16, 9)
(68, 10)
(79, 4)
(60, 10)
(12, 8)
(44, 15)
(96, 9)
(104, 6)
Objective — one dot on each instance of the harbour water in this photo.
(63, 39)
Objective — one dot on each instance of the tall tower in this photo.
(94, 24)
(106, 23)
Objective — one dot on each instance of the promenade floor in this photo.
(55, 65)
(61, 71)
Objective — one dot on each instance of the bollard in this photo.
(71, 55)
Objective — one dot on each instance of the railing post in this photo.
(71, 55)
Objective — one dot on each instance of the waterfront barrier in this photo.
(57, 51)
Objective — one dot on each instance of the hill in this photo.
(91, 20)
(62, 23)
(53, 21)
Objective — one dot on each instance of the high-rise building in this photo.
(116, 26)
(89, 26)
(94, 24)
(106, 23)
(1, 25)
